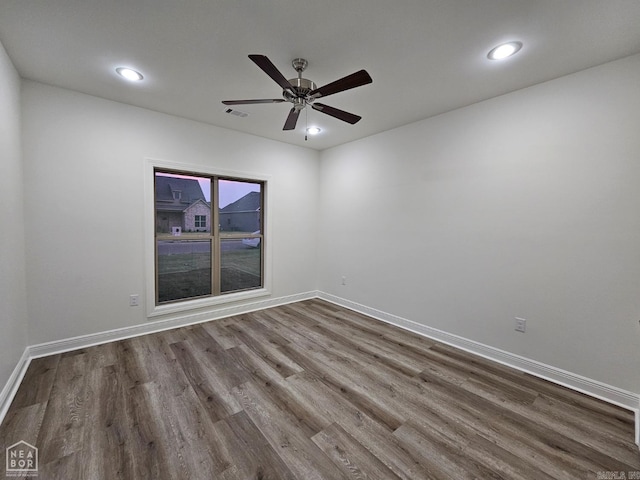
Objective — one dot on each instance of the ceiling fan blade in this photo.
(292, 119)
(270, 69)
(337, 113)
(346, 83)
(251, 102)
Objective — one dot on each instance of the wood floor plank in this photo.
(300, 454)
(224, 337)
(104, 444)
(66, 467)
(22, 424)
(38, 381)
(384, 331)
(306, 391)
(149, 453)
(215, 397)
(101, 355)
(143, 359)
(183, 431)
(223, 368)
(249, 327)
(341, 380)
(292, 405)
(445, 460)
(351, 457)
(286, 325)
(269, 351)
(376, 333)
(178, 424)
(67, 408)
(616, 419)
(498, 462)
(564, 455)
(581, 423)
(354, 351)
(373, 435)
(405, 360)
(199, 337)
(253, 456)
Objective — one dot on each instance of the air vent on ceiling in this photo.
(237, 113)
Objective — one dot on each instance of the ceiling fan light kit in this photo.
(301, 91)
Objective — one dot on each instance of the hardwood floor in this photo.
(306, 391)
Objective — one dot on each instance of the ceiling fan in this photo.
(302, 92)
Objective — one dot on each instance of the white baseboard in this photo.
(84, 341)
(175, 321)
(11, 387)
(602, 391)
(608, 393)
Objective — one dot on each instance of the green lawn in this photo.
(246, 260)
(189, 275)
(183, 262)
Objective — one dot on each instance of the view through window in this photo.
(209, 235)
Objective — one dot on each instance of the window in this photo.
(201, 221)
(209, 235)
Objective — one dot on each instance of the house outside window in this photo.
(194, 256)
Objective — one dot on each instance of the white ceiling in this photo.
(425, 56)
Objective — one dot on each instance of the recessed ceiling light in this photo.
(313, 130)
(505, 50)
(129, 74)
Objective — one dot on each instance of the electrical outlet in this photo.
(134, 300)
(344, 280)
(521, 325)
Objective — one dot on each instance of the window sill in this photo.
(203, 303)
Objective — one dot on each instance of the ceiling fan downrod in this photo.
(300, 87)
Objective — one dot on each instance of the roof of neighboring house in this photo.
(249, 203)
(190, 192)
(191, 205)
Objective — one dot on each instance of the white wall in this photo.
(13, 304)
(84, 166)
(526, 205)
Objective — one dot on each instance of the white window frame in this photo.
(153, 310)
(198, 219)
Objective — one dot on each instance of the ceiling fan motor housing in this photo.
(301, 88)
